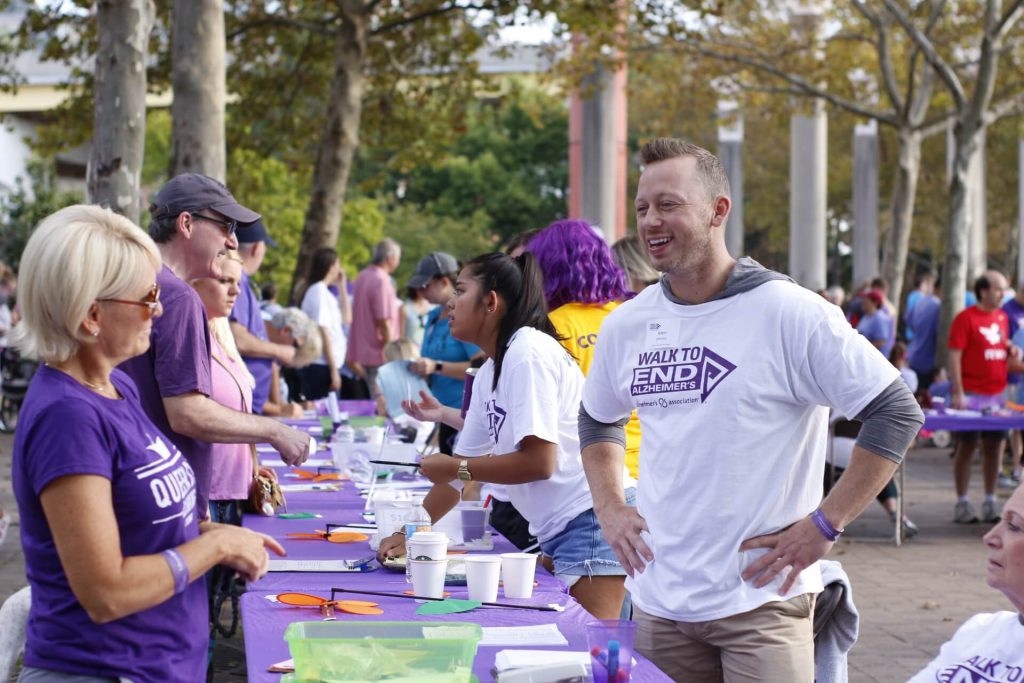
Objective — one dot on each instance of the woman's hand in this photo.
(391, 547)
(422, 366)
(243, 550)
(429, 409)
(439, 468)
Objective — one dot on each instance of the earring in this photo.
(96, 332)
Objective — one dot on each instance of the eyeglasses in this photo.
(150, 301)
(229, 226)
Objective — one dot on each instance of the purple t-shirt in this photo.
(177, 362)
(65, 429)
(1015, 312)
(247, 313)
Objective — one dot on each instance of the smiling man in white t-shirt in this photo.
(732, 370)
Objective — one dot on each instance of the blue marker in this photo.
(613, 660)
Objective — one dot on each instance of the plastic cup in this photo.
(474, 524)
(482, 574)
(428, 545)
(428, 577)
(517, 571)
(374, 435)
(610, 642)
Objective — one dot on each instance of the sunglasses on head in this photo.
(150, 301)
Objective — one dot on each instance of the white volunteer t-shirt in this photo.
(538, 395)
(988, 648)
(732, 397)
(322, 306)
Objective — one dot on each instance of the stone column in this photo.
(865, 201)
(808, 168)
(597, 153)
(730, 152)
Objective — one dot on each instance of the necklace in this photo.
(98, 388)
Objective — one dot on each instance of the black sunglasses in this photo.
(229, 225)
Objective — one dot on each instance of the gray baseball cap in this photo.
(195, 192)
(433, 265)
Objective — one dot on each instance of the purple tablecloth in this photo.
(264, 624)
(965, 423)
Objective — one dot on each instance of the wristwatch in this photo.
(438, 366)
(464, 473)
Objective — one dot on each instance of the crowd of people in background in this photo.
(605, 379)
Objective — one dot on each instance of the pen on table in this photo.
(395, 463)
(538, 608)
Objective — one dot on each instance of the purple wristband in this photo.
(179, 570)
(825, 526)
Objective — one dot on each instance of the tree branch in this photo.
(1010, 17)
(884, 58)
(945, 72)
(322, 27)
(437, 11)
(807, 89)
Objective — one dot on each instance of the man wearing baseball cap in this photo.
(194, 223)
(258, 352)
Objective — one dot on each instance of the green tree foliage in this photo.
(22, 210)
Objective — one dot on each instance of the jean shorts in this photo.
(580, 550)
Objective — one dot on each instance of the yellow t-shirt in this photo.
(579, 324)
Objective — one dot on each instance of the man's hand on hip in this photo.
(621, 525)
(798, 547)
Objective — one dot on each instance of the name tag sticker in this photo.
(662, 333)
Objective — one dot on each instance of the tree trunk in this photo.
(954, 273)
(904, 189)
(340, 140)
(197, 76)
(119, 105)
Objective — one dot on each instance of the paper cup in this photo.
(428, 545)
(517, 570)
(374, 435)
(428, 577)
(482, 574)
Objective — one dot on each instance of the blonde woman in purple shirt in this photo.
(111, 534)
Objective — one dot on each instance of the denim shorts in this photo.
(580, 550)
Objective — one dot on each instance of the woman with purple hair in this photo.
(582, 285)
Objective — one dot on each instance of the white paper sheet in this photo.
(546, 634)
(308, 566)
(312, 462)
(292, 488)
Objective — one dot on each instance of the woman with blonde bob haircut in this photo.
(110, 529)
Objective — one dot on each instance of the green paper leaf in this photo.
(449, 606)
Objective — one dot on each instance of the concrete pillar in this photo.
(808, 175)
(865, 201)
(730, 152)
(977, 209)
(597, 152)
(808, 166)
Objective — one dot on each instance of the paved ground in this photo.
(911, 598)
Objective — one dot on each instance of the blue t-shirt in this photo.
(439, 344)
(247, 314)
(923, 319)
(66, 429)
(177, 363)
(877, 326)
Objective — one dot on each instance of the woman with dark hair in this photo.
(523, 414)
(329, 313)
(582, 286)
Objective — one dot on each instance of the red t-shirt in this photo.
(982, 337)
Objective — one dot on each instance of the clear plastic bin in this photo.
(395, 651)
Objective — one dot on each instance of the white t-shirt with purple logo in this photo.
(733, 398)
(65, 429)
(988, 648)
(538, 395)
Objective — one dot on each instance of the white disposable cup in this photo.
(432, 545)
(428, 577)
(374, 435)
(482, 574)
(517, 571)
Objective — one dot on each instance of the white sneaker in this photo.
(990, 512)
(964, 513)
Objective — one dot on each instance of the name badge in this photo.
(662, 333)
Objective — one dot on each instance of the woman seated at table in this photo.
(112, 540)
(523, 414)
(990, 646)
(292, 327)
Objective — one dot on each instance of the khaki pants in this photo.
(773, 643)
